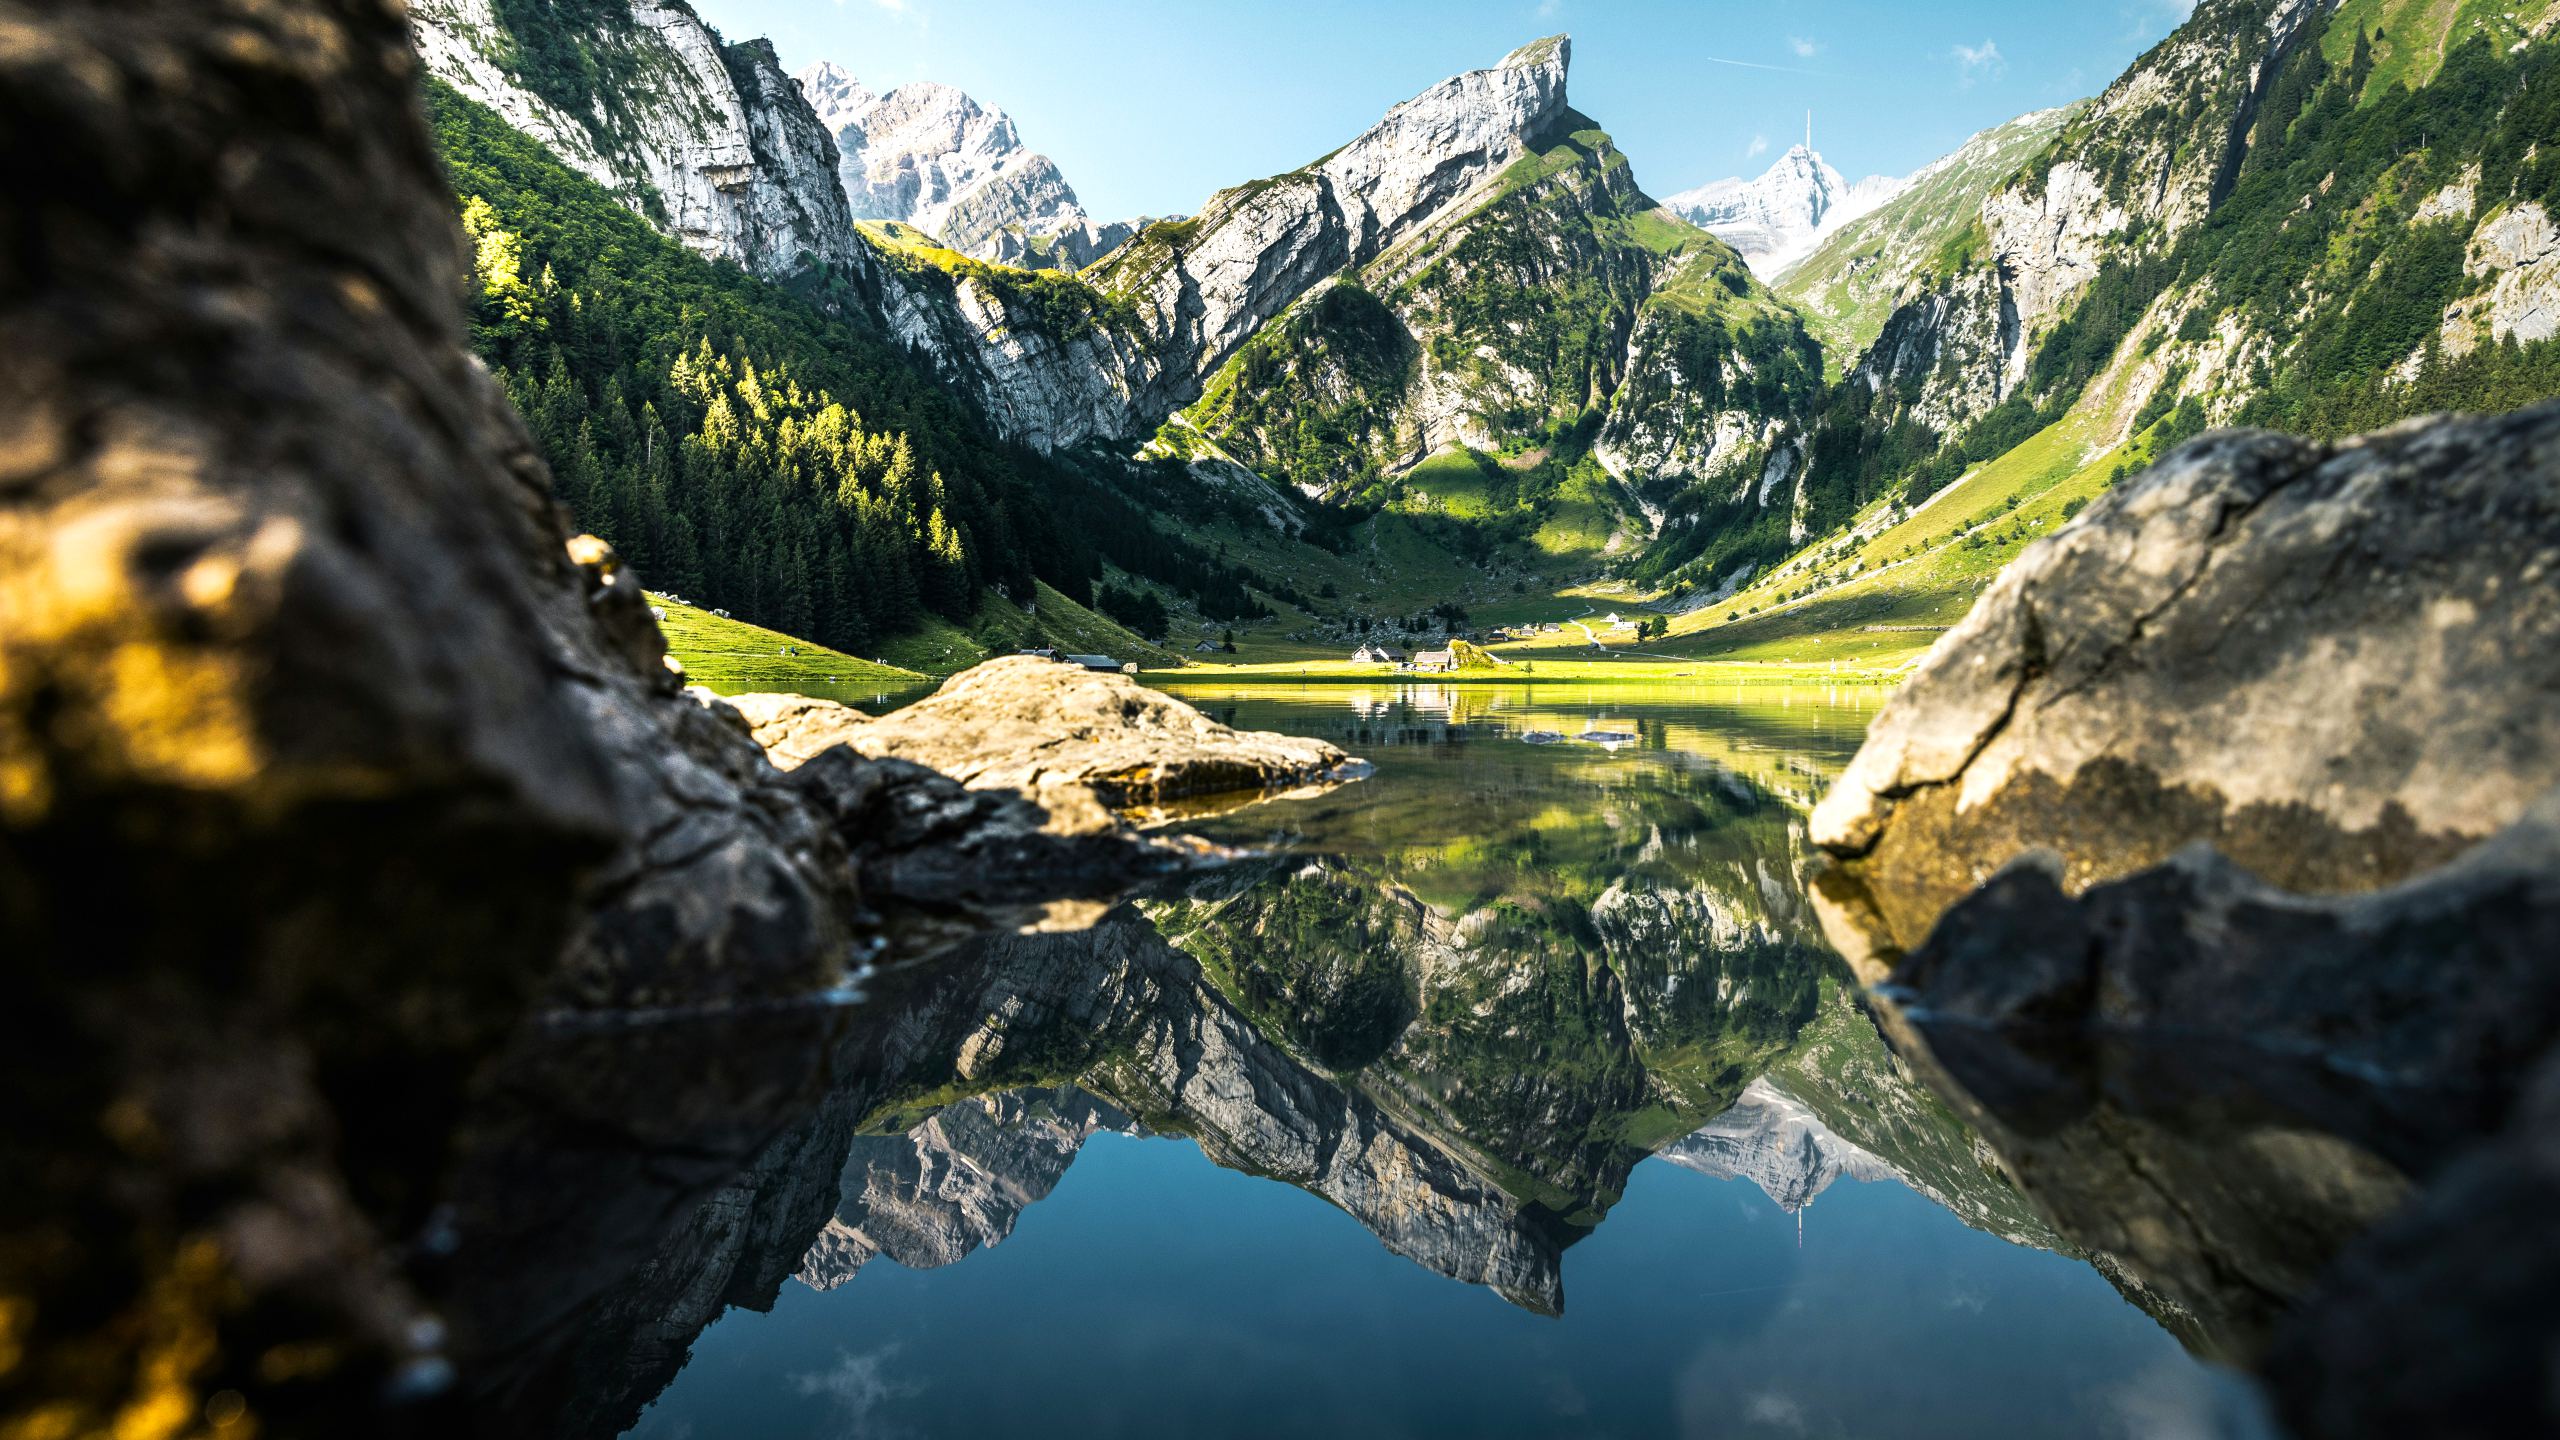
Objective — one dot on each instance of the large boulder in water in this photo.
(2212, 870)
(2340, 665)
(1079, 741)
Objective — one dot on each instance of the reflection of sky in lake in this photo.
(1155, 1293)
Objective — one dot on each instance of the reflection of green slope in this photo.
(1554, 999)
(1464, 999)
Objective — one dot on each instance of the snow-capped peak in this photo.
(838, 98)
(1778, 218)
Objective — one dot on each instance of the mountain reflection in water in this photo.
(1461, 1003)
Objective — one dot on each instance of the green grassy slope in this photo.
(2417, 35)
(1001, 628)
(732, 655)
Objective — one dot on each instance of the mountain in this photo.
(698, 136)
(2307, 216)
(1466, 356)
(1778, 218)
(1557, 313)
(1865, 265)
(1058, 362)
(929, 156)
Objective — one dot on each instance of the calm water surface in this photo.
(1514, 1093)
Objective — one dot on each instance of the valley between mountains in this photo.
(860, 368)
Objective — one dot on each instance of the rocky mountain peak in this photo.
(1439, 145)
(1553, 52)
(930, 155)
(834, 93)
(1780, 217)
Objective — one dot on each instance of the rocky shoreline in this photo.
(331, 758)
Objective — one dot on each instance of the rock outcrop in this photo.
(2516, 253)
(2335, 663)
(2262, 753)
(2222, 1082)
(328, 756)
(1083, 744)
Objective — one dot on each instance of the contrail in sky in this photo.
(1750, 65)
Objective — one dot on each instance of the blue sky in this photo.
(1151, 105)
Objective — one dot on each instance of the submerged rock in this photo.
(2221, 1082)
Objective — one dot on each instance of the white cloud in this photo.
(1547, 8)
(1759, 147)
(855, 1388)
(1805, 49)
(2183, 1402)
(1979, 62)
(894, 7)
(1778, 1412)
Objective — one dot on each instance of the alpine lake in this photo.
(1510, 1090)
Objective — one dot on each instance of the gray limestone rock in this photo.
(2335, 663)
(2230, 821)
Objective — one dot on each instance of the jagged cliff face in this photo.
(715, 146)
(2131, 173)
(710, 142)
(1203, 286)
(1869, 265)
(1560, 294)
(930, 156)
